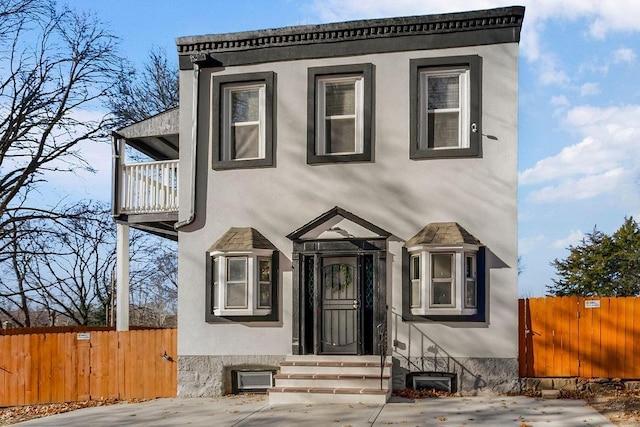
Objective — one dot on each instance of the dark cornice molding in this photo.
(240, 48)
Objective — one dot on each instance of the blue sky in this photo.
(579, 163)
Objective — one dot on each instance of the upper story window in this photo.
(340, 109)
(340, 114)
(445, 107)
(242, 277)
(243, 132)
(242, 120)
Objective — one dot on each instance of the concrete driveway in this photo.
(255, 411)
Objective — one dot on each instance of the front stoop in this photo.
(332, 379)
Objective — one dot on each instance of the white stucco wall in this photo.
(393, 192)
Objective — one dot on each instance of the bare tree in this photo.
(141, 93)
(55, 65)
(154, 288)
(62, 273)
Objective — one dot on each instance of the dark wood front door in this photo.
(339, 327)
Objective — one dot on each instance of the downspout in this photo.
(194, 144)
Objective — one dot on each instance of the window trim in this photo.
(253, 310)
(364, 125)
(427, 311)
(425, 66)
(220, 86)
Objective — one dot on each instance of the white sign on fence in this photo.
(83, 336)
(592, 303)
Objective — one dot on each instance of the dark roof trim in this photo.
(501, 25)
(332, 213)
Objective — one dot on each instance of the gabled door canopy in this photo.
(338, 223)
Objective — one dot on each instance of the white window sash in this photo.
(473, 278)
(321, 117)
(263, 282)
(416, 280)
(228, 124)
(245, 282)
(251, 281)
(450, 280)
(463, 109)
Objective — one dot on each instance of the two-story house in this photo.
(347, 218)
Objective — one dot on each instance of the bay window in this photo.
(242, 277)
(442, 281)
(241, 283)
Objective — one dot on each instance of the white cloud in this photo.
(589, 89)
(605, 161)
(573, 238)
(583, 188)
(625, 55)
(530, 244)
(550, 72)
(560, 101)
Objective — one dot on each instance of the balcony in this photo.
(149, 188)
(145, 193)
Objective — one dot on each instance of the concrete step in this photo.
(288, 395)
(346, 366)
(331, 380)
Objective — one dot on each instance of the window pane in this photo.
(443, 92)
(265, 270)
(245, 105)
(341, 136)
(237, 269)
(215, 283)
(470, 270)
(265, 295)
(245, 141)
(442, 293)
(441, 267)
(415, 267)
(443, 129)
(470, 294)
(416, 300)
(340, 98)
(236, 295)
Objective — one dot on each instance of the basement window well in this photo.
(251, 381)
(439, 381)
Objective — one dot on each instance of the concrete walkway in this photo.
(255, 411)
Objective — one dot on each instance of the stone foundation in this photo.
(599, 386)
(474, 375)
(207, 376)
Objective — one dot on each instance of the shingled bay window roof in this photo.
(443, 233)
(242, 238)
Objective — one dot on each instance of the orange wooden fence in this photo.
(579, 337)
(74, 366)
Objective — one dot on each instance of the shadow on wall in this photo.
(433, 358)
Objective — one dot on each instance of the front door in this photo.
(340, 302)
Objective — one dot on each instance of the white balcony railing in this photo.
(150, 187)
